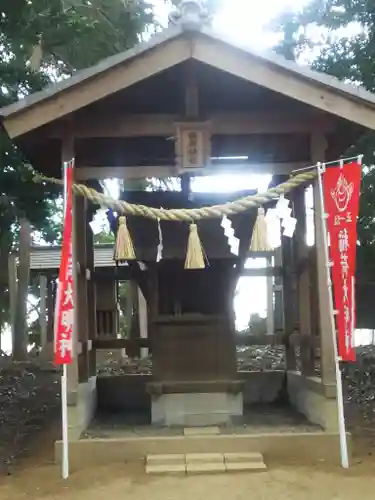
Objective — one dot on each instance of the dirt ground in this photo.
(41, 480)
(34, 476)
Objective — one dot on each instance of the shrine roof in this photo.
(174, 46)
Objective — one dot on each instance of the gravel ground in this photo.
(249, 359)
(28, 398)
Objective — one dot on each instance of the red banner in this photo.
(64, 297)
(341, 187)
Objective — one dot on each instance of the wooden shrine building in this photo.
(132, 117)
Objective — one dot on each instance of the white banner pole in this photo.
(64, 419)
(64, 381)
(339, 392)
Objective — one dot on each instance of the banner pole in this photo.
(339, 392)
(64, 381)
(64, 420)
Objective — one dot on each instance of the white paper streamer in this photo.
(289, 225)
(233, 242)
(283, 209)
(159, 254)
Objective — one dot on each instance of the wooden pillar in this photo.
(191, 112)
(289, 297)
(318, 148)
(142, 312)
(91, 292)
(152, 302)
(278, 292)
(133, 314)
(81, 299)
(270, 301)
(314, 300)
(303, 283)
(43, 310)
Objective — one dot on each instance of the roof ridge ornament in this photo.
(190, 15)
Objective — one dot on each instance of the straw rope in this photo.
(184, 214)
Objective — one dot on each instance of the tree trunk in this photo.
(20, 340)
(5, 245)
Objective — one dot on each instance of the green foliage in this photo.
(73, 34)
(348, 54)
(40, 42)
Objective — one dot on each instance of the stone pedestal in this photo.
(196, 409)
(194, 371)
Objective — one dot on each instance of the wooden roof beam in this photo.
(221, 124)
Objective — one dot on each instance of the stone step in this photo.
(201, 431)
(242, 462)
(165, 464)
(204, 463)
(205, 467)
(245, 467)
(166, 469)
(204, 458)
(242, 457)
(165, 460)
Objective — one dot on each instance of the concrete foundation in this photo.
(306, 448)
(195, 409)
(129, 392)
(314, 400)
(81, 408)
(307, 394)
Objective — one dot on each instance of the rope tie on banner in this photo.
(195, 258)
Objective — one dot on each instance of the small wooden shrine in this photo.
(186, 103)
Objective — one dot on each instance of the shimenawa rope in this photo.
(124, 249)
(186, 214)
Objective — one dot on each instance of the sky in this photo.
(245, 21)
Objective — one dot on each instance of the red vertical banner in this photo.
(341, 188)
(64, 315)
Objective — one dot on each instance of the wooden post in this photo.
(289, 296)
(314, 301)
(152, 302)
(133, 315)
(279, 323)
(318, 148)
(303, 283)
(81, 302)
(191, 112)
(43, 311)
(142, 312)
(91, 292)
(270, 301)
